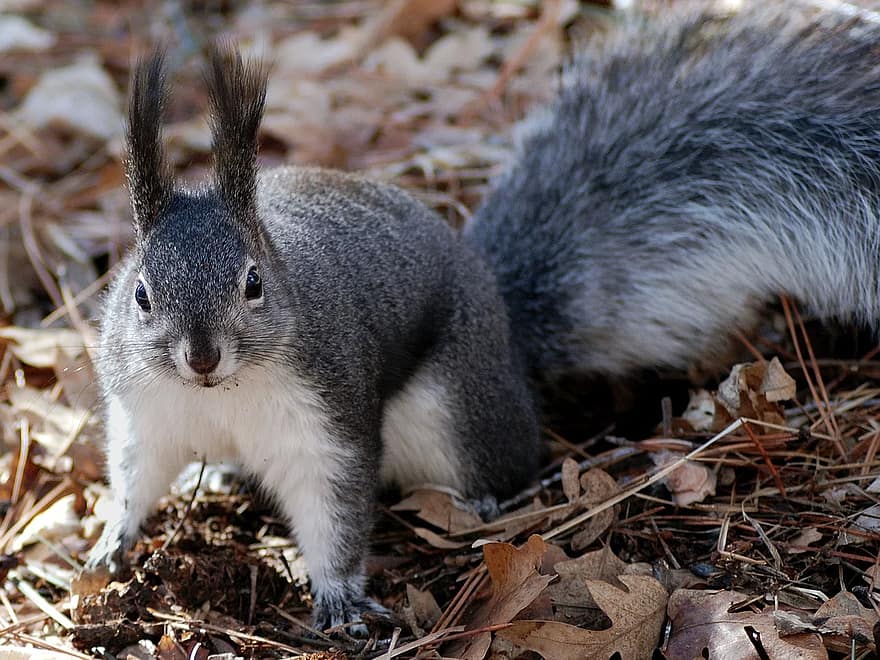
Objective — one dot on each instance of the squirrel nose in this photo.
(203, 362)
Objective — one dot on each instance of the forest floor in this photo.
(737, 521)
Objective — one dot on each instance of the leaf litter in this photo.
(745, 527)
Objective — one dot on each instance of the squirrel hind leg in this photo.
(464, 420)
(419, 434)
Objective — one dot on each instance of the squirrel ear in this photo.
(236, 94)
(149, 177)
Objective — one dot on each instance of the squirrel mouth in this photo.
(206, 381)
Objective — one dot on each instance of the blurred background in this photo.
(425, 94)
(420, 92)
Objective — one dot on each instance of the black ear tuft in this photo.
(149, 177)
(237, 94)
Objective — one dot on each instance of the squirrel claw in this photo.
(106, 555)
(332, 614)
(486, 507)
(101, 567)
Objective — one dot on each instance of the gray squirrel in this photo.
(329, 332)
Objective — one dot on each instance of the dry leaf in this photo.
(307, 52)
(701, 620)
(30, 653)
(871, 575)
(437, 541)
(18, 34)
(542, 64)
(439, 509)
(844, 618)
(143, 650)
(169, 649)
(792, 623)
(800, 542)
(636, 615)
(700, 412)
(690, 482)
(409, 19)
(571, 486)
(40, 348)
(462, 50)
(754, 390)
(751, 390)
(424, 606)
(516, 522)
(398, 60)
(81, 97)
(869, 519)
(569, 594)
(674, 578)
(777, 385)
(515, 579)
(516, 583)
(51, 524)
(56, 421)
(598, 486)
(554, 555)
(89, 583)
(184, 138)
(78, 381)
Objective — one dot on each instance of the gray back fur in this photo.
(148, 173)
(363, 286)
(690, 170)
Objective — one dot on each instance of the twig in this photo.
(44, 503)
(93, 288)
(41, 603)
(312, 631)
(750, 347)
(252, 605)
(42, 644)
(767, 461)
(833, 431)
(24, 447)
(178, 622)
(657, 476)
(188, 508)
(549, 17)
(430, 638)
(451, 614)
(32, 248)
(777, 558)
(586, 464)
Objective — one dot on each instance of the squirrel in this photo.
(329, 332)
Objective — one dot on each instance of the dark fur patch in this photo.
(692, 167)
(237, 94)
(149, 176)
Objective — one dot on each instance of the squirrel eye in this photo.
(141, 297)
(253, 286)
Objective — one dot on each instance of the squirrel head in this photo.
(201, 256)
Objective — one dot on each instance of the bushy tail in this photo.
(691, 169)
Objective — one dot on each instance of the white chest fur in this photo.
(276, 428)
(254, 422)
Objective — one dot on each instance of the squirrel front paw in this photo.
(486, 507)
(107, 553)
(103, 564)
(337, 609)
